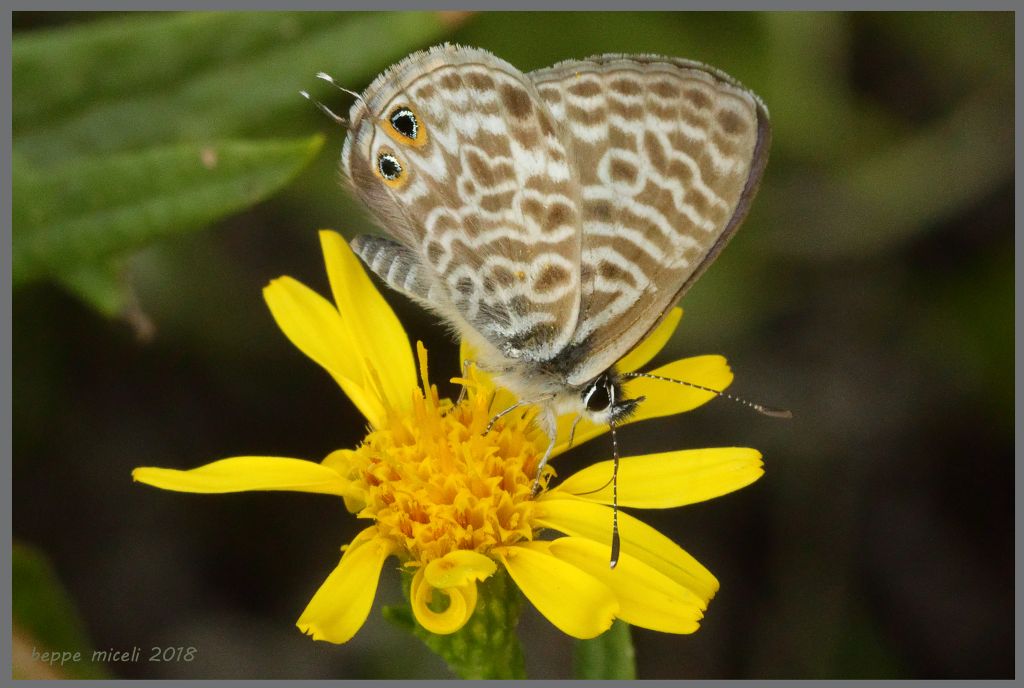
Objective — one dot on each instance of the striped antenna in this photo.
(615, 499)
(614, 482)
(330, 79)
(324, 109)
(760, 408)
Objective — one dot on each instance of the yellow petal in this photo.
(313, 325)
(668, 398)
(246, 473)
(671, 479)
(647, 598)
(340, 607)
(374, 329)
(574, 516)
(574, 601)
(355, 502)
(648, 348)
(461, 604)
(340, 460)
(458, 568)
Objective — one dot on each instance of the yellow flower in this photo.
(453, 504)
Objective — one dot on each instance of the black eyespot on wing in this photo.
(389, 167)
(405, 123)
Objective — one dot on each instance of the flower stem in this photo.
(608, 656)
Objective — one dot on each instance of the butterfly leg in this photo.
(549, 423)
(523, 402)
(504, 412)
(572, 430)
(465, 373)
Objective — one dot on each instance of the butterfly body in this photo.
(552, 218)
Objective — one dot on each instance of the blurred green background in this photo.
(871, 291)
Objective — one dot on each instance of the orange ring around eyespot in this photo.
(399, 137)
(398, 181)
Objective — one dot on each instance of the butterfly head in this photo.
(604, 400)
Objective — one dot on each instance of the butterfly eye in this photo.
(404, 121)
(389, 167)
(598, 395)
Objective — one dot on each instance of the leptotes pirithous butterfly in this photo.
(555, 217)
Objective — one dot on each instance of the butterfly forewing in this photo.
(461, 160)
(668, 154)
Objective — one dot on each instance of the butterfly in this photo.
(552, 218)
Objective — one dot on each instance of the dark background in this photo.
(870, 291)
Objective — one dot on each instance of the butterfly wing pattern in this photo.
(482, 204)
(554, 217)
(668, 154)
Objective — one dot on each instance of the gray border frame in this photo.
(6, 305)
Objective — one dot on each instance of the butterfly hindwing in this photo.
(668, 154)
(456, 153)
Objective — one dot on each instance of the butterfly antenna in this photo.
(330, 79)
(760, 408)
(324, 109)
(615, 499)
(614, 480)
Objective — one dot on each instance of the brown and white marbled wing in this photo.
(484, 194)
(669, 154)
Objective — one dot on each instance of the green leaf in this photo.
(45, 620)
(813, 107)
(487, 647)
(608, 656)
(138, 127)
(884, 199)
(140, 81)
(101, 285)
(105, 287)
(80, 214)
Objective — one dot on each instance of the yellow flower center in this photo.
(435, 482)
